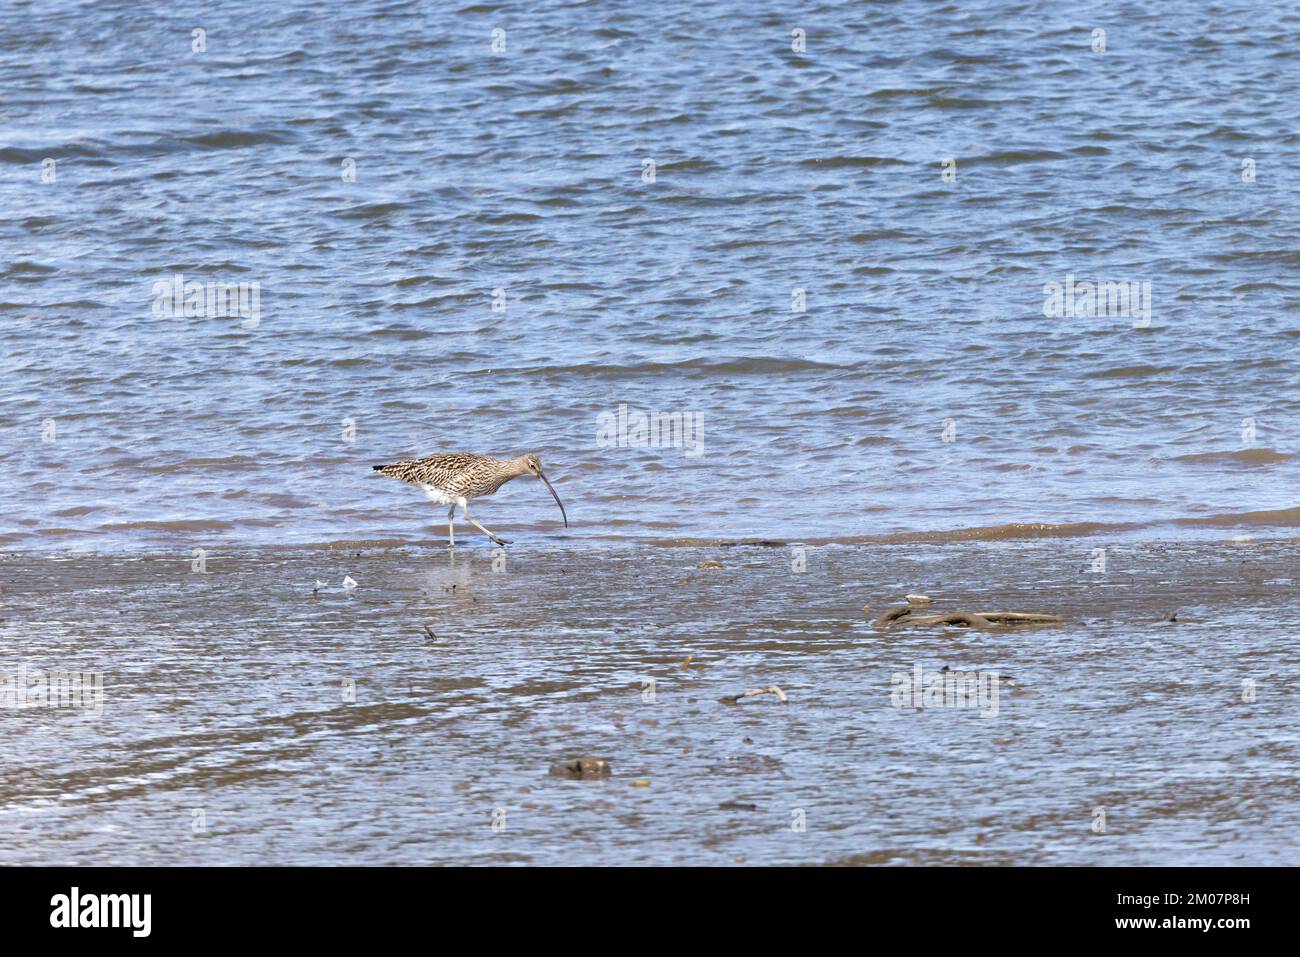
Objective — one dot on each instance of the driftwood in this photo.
(773, 689)
(989, 620)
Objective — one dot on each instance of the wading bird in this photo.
(456, 478)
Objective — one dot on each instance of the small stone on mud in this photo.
(917, 599)
(582, 769)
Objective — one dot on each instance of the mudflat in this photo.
(380, 704)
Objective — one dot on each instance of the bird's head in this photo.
(534, 466)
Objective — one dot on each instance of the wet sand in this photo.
(225, 737)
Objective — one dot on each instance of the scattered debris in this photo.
(1019, 617)
(348, 583)
(582, 769)
(866, 608)
(917, 599)
(710, 563)
(773, 689)
(641, 783)
(687, 663)
(988, 620)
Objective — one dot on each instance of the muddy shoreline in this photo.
(226, 705)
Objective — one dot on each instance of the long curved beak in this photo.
(557, 498)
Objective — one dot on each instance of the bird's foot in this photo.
(503, 542)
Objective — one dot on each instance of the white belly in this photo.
(439, 496)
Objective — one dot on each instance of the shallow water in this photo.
(522, 170)
(224, 705)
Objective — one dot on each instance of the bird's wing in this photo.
(440, 470)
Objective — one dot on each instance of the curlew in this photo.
(457, 478)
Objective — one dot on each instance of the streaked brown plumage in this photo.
(456, 478)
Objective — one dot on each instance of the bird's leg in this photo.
(499, 541)
(451, 530)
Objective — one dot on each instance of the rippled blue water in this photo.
(525, 170)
